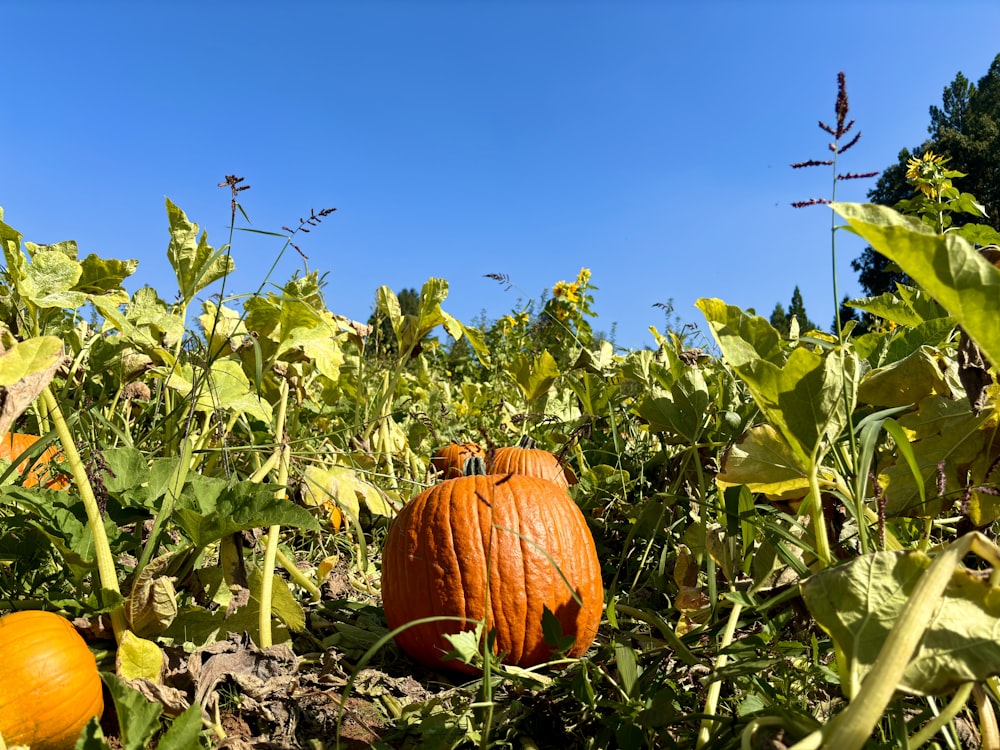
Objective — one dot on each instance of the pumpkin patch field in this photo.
(236, 520)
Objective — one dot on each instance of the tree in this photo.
(966, 129)
(782, 319)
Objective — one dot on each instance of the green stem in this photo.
(293, 570)
(102, 549)
(815, 501)
(715, 689)
(271, 549)
(938, 722)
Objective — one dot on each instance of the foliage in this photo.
(795, 533)
(964, 131)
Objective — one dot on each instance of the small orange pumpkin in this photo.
(525, 458)
(531, 537)
(13, 444)
(51, 687)
(450, 459)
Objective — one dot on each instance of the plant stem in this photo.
(715, 689)
(271, 549)
(102, 549)
(950, 712)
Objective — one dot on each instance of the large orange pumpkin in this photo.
(50, 685)
(449, 461)
(526, 458)
(13, 444)
(435, 561)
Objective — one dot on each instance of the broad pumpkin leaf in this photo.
(683, 411)
(49, 281)
(802, 396)
(949, 443)
(33, 356)
(227, 388)
(194, 261)
(904, 381)
(139, 717)
(946, 265)
(209, 509)
(859, 602)
(138, 658)
(907, 306)
(534, 375)
(199, 626)
(762, 461)
(102, 275)
(26, 369)
(321, 484)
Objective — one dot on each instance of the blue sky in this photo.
(647, 141)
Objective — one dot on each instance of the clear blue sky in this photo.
(648, 141)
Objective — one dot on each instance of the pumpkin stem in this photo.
(527, 442)
(474, 466)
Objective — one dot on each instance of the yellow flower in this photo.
(560, 288)
(583, 277)
(927, 173)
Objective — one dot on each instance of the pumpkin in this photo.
(526, 458)
(13, 444)
(51, 687)
(449, 461)
(531, 537)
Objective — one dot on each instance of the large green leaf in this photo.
(803, 397)
(683, 411)
(210, 509)
(50, 279)
(952, 447)
(946, 265)
(194, 261)
(534, 375)
(227, 388)
(858, 604)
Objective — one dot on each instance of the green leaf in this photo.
(138, 718)
(907, 307)
(905, 381)
(138, 658)
(34, 356)
(227, 388)
(194, 261)
(183, 732)
(804, 396)
(102, 275)
(49, 279)
(683, 411)
(763, 461)
(948, 442)
(534, 375)
(859, 602)
(210, 509)
(946, 265)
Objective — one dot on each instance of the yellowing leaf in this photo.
(138, 658)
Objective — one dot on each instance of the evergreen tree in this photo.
(782, 319)
(382, 341)
(966, 129)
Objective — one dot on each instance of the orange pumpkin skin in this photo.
(13, 444)
(450, 460)
(525, 458)
(51, 687)
(434, 563)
